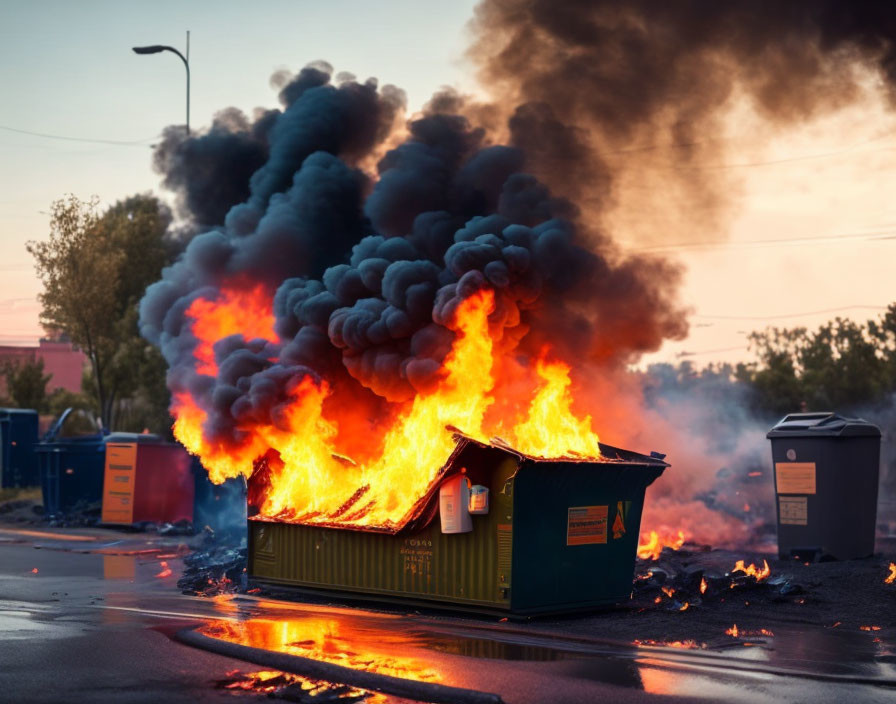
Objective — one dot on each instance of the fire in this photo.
(654, 546)
(736, 632)
(753, 571)
(235, 310)
(703, 585)
(165, 571)
(327, 640)
(551, 429)
(892, 576)
(687, 644)
(280, 685)
(312, 481)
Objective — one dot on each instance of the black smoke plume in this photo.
(368, 232)
(606, 96)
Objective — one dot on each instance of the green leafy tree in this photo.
(26, 384)
(841, 365)
(95, 268)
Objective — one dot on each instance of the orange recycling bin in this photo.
(146, 480)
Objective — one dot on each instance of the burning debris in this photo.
(891, 578)
(735, 632)
(653, 548)
(685, 644)
(214, 568)
(292, 688)
(671, 582)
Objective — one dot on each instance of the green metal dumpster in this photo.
(826, 476)
(559, 536)
(18, 434)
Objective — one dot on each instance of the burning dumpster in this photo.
(554, 535)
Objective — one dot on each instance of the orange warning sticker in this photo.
(795, 477)
(586, 525)
(619, 523)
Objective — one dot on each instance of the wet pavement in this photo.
(87, 615)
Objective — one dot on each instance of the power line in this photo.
(679, 355)
(820, 239)
(116, 142)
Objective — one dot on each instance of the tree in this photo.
(841, 365)
(26, 384)
(94, 269)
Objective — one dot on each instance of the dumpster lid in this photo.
(4, 412)
(826, 424)
(139, 438)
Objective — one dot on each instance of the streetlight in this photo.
(155, 49)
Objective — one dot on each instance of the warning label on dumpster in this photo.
(793, 510)
(795, 477)
(586, 525)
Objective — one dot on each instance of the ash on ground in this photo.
(216, 566)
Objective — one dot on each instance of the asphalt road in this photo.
(86, 616)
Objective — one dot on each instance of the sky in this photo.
(810, 233)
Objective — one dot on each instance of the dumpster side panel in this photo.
(465, 568)
(164, 484)
(18, 435)
(576, 533)
(71, 472)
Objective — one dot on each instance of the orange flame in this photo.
(687, 644)
(732, 631)
(652, 549)
(703, 585)
(315, 482)
(753, 571)
(245, 311)
(892, 576)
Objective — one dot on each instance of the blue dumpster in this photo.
(18, 435)
(71, 468)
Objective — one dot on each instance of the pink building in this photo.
(61, 359)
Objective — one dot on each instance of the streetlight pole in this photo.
(157, 48)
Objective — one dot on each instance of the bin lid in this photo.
(140, 438)
(4, 412)
(826, 424)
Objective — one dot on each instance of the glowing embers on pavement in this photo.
(281, 685)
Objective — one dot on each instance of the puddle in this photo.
(832, 651)
(346, 643)
(20, 624)
(119, 567)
